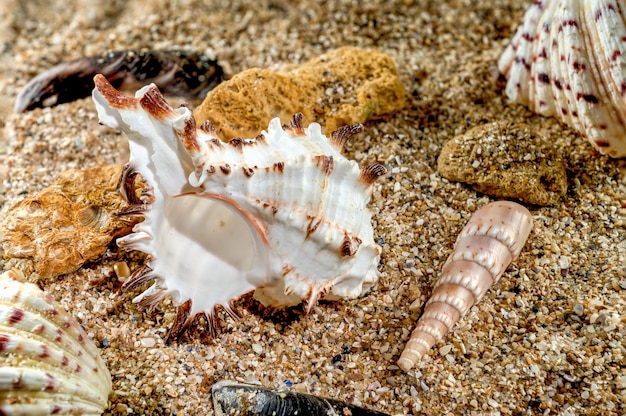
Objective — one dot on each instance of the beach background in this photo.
(547, 339)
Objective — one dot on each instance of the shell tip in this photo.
(296, 124)
(370, 173)
(181, 322)
(339, 137)
(154, 103)
(115, 98)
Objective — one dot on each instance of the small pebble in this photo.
(122, 271)
(147, 342)
(579, 309)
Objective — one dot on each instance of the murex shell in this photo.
(568, 60)
(48, 365)
(284, 214)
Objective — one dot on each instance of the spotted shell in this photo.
(490, 240)
(284, 214)
(48, 365)
(568, 60)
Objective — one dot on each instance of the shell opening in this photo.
(209, 252)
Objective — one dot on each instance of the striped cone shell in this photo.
(492, 238)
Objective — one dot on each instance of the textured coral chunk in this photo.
(66, 224)
(345, 86)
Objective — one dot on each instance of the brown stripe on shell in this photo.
(115, 98)
(139, 276)
(4, 341)
(314, 223)
(370, 173)
(247, 171)
(225, 168)
(286, 269)
(273, 207)
(296, 124)
(237, 143)
(16, 316)
(154, 103)
(132, 210)
(350, 245)
(491, 239)
(339, 137)
(126, 185)
(279, 166)
(327, 163)
(214, 142)
(208, 127)
(189, 135)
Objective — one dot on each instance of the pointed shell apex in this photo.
(490, 240)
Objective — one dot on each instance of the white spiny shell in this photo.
(568, 60)
(492, 238)
(48, 365)
(284, 213)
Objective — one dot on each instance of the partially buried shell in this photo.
(48, 365)
(568, 60)
(492, 238)
(284, 213)
(231, 398)
(183, 73)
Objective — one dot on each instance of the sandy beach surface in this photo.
(547, 339)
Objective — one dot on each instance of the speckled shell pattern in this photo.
(48, 365)
(284, 214)
(492, 238)
(568, 60)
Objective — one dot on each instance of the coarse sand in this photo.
(547, 339)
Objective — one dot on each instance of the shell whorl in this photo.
(492, 238)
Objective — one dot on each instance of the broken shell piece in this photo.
(284, 213)
(567, 60)
(66, 224)
(230, 398)
(48, 365)
(182, 73)
(492, 238)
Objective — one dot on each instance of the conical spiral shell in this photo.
(492, 238)
(568, 60)
(48, 365)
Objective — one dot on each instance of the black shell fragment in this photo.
(230, 398)
(183, 73)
